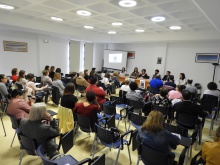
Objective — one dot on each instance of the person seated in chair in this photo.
(3, 88)
(18, 107)
(126, 87)
(170, 83)
(33, 127)
(156, 84)
(166, 77)
(161, 99)
(143, 74)
(156, 73)
(99, 92)
(68, 99)
(58, 83)
(86, 75)
(133, 94)
(211, 150)
(89, 108)
(191, 88)
(14, 74)
(46, 80)
(153, 135)
(135, 73)
(212, 89)
(81, 81)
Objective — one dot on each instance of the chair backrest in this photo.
(14, 121)
(41, 153)
(67, 141)
(28, 144)
(136, 119)
(38, 79)
(138, 105)
(100, 160)
(175, 129)
(113, 88)
(103, 134)
(152, 157)
(208, 102)
(135, 144)
(122, 96)
(115, 99)
(109, 110)
(55, 95)
(186, 120)
(84, 123)
(163, 110)
(111, 122)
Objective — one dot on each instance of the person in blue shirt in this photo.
(156, 84)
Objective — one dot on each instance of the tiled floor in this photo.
(81, 149)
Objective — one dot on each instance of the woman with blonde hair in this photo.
(153, 135)
(41, 132)
(58, 83)
(211, 150)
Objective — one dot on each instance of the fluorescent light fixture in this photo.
(117, 23)
(83, 13)
(56, 19)
(88, 27)
(174, 27)
(7, 7)
(140, 30)
(111, 32)
(158, 19)
(127, 3)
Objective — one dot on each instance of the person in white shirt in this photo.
(105, 79)
(212, 89)
(126, 86)
(181, 80)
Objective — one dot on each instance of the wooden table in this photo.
(122, 79)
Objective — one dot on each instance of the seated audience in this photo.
(132, 94)
(123, 72)
(81, 81)
(212, 89)
(135, 73)
(156, 73)
(3, 88)
(99, 92)
(186, 106)
(91, 74)
(38, 130)
(14, 74)
(58, 70)
(103, 73)
(177, 94)
(21, 79)
(191, 88)
(86, 75)
(18, 107)
(89, 108)
(47, 67)
(153, 135)
(161, 99)
(156, 84)
(68, 100)
(211, 150)
(46, 80)
(52, 72)
(143, 74)
(126, 87)
(170, 82)
(167, 76)
(115, 77)
(105, 79)
(58, 83)
(181, 80)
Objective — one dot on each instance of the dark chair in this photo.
(15, 124)
(38, 79)
(106, 137)
(136, 120)
(27, 144)
(112, 88)
(164, 110)
(55, 95)
(84, 123)
(122, 97)
(138, 105)
(210, 103)
(99, 160)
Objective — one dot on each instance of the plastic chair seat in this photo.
(67, 159)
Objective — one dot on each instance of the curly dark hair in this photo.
(90, 96)
(133, 86)
(212, 86)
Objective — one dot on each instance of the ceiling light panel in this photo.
(56, 19)
(127, 3)
(83, 12)
(158, 19)
(111, 32)
(88, 27)
(140, 30)
(175, 27)
(117, 23)
(6, 7)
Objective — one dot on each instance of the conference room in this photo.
(74, 35)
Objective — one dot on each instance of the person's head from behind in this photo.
(73, 74)
(168, 73)
(14, 71)
(30, 77)
(57, 76)
(189, 81)
(47, 67)
(154, 122)
(127, 81)
(157, 71)
(143, 71)
(16, 93)
(37, 112)
(157, 76)
(86, 72)
(180, 88)
(133, 86)
(92, 73)
(69, 89)
(107, 75)
(172, 78)
(163, 92)
(123, 69)
(3, 78)
(187, 95)
(135, 69)
(93, 69)
(182, 76)
(45, 72)
(21, 74)
(81, 74)
(93, 80)
(90, 96)
(52, 68)
(212, 86)
(58, 70)
(115, 73)
(217, 134)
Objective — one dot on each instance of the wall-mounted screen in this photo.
(207, 57)
(115, 59)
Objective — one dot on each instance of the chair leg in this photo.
(125, 125)
(190, 150)
(94, 149)
(3, 125)
(91, 152)
(129, 154)
(118, 123)
(13, 139)
(138, 160)
(187, 155)
(211, 127)
(116, 160)
(21, 157)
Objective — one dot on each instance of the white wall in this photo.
(39, 53)
(88, 56)
(98, 56)
(176, 57)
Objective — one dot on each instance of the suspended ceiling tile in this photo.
(43, 9)
(59, 4)
(103, 8)
(122, 15)
(145, 11)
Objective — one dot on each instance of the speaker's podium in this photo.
(142, 83)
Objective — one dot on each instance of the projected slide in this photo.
(115, 58)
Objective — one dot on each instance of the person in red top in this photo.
(14, 73)
(99, 92)
(89, 108)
